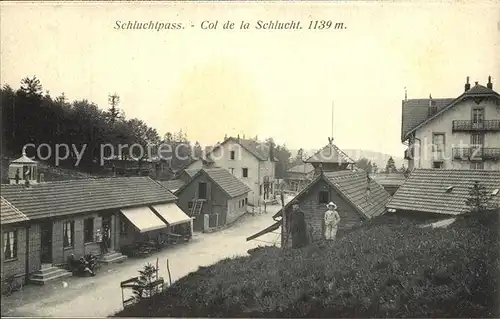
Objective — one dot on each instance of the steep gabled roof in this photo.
(62, 198)
(442, 191)
(10, 214)
(415, 112)
(226, 181)
(352, 186)
(330, 153)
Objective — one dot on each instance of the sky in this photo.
(269, 83)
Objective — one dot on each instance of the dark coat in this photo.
(298, 229)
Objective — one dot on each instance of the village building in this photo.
(453, 133)
(390, 181)
(358, 198)
(213, 197)
(442, 193)
(250, 161)
(23, 169)
(330, 158)
(298, 176)
(44, 223)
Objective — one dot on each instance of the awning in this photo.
(171, 213)
(143, 218)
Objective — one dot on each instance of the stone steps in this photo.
(47, 274)
(113, 257)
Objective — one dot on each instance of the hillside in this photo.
(376, 157)
(388, 269)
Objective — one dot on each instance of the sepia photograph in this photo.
(250, 159)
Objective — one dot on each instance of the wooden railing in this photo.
(477, 153)
(471, 126)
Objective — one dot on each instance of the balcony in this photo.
(470, 126)
(476, 153)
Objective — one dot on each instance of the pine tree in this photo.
(391, 166)
(478, 199)
(147, 276)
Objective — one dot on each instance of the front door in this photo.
(46, 243)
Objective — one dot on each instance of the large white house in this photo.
(453, 133)
(250, 161)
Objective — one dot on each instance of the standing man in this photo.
(332, 219)
(105, 237)
(298, 226)
(98, 237)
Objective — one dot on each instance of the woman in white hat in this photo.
(332, 219)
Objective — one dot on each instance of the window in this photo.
(202, 190)
(246, 201)
(438, 142)
(476, 166)
(477, 140)
(477, 116)
(88, 230)
(245, 172)
(232, 154)
(437, 164)
(231, 170)
(324, 197)
(10, 244)
(68, 233)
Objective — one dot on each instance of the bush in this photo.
(389, 269)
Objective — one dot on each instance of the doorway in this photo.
(46, 243)
(106, 231)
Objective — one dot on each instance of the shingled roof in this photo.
(173, 185)
(442, 191)
(353, 186)
(228, 183)
(330, 153)
(10, 214)
(85, 195)
(415, 112)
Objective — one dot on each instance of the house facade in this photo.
(249, 161)
(213, 198)
(63, 218)
(453, 133)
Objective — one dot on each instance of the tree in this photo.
(113, 111)
(365, 164)
(478, 199)
(391, 166)
(31, 86)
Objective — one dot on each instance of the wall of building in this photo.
(17, 266)
(215, 204)
(60, 253)
(236, 207)
(314, 211)
(443, 124)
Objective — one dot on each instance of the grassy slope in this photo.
(394, 269)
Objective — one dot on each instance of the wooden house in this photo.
(299, 176)
(213, 197)
(358, 199)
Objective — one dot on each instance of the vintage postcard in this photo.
(250, 159)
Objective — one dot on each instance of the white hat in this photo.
(331, 204)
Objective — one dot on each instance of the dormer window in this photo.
(495, 192)
(449, 189)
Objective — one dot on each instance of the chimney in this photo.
(432, 106)
(225, 137)
(467, 85)
(238, 138)
(489, 85)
